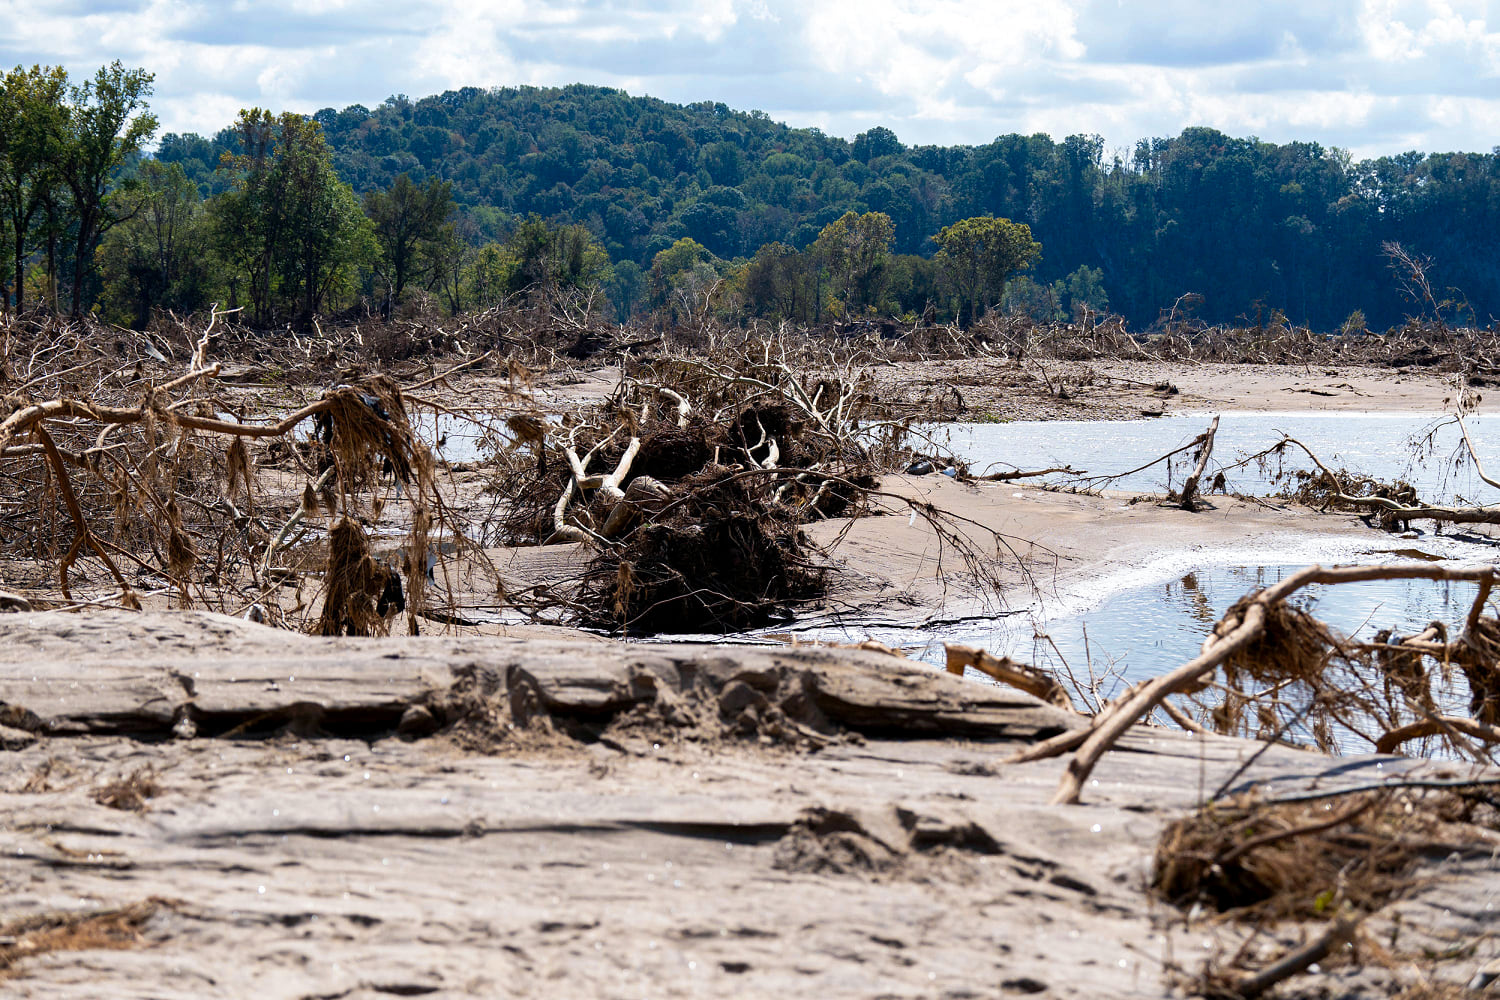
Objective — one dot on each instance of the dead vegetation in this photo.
(1268, 668)
(1315, 858)
(157, 484)
(1332, 858)
(130, 792)
(114, 929)
(689, 484)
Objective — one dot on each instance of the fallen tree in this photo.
(1265, 642)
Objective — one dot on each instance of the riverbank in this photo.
(199, 806)
(446, 817)
(980, 389)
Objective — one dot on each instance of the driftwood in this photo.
(1014, 474)
(1438, 725)
(1190, 488)
(1297, 961)
(1030, 679)
(1243, 625)
(1394, 511)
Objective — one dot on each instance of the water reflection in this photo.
(1144, 631)
(1140, 632)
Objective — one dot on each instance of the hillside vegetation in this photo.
(1250, 225)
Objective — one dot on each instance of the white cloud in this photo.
(1375, 75)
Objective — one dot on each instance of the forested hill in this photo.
(1252, 226)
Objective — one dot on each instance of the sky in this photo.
(1371, 76)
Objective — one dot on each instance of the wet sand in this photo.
(605, 821)
(483, 816)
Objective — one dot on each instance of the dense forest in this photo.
(473, 195)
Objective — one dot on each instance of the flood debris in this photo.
(691, 484)
(1281, 667)
(1336, 858)
(130, 792)
(158, 482)
(114, 929)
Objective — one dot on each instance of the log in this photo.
(1190, 488)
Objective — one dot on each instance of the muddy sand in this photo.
(1107, 389)
(211, 808)
(482, 817)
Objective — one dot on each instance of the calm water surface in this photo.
(1387, 446)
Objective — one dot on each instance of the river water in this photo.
(1138, 623)
(1411, 446)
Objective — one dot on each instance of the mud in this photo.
(598, 820)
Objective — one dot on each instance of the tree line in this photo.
(474, 195)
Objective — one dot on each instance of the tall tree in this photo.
(979, 254)
(159, 256)
(33, 114)
(855, 249)
(289, 224)
(410, 222)
(107, 124)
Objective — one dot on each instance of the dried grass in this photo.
(130, 792)
(1258, 860)
(357, 590)
(117, 929)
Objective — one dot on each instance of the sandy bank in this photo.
(1055, 546)
(597, 821)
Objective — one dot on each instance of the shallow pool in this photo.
(1387, 446)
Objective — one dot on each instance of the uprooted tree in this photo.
(688, 487)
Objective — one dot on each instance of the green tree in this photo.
(780, 282)
(159, 255)
(107, 123)
(684, 277)
(449, 259)
(330, 238)
(625, 288)
(288, 224)
(33, 114)
(489, 274)
(1043, 303)
(410, 222)
(1083, 290)
(547, 259)
(980, 254)
(855, 248)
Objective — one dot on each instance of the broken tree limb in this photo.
(1297, 961)
(298, 516)
(29, 416)
(83, 535)
(1005, 477)
(1394, 510)
(579, 481)
(562, 531)
(1190, 488)
(1184, 720)
(1237, 630)
(1463, 429)
(1028, 678)
(773, 454)
(684, 408)
(1438, 725)
(610, 484)
(642, 490)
